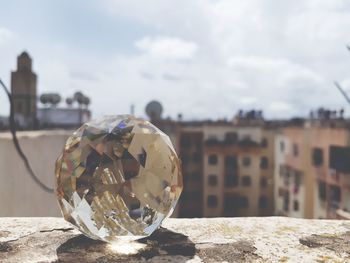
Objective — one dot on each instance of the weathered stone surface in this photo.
(273, 239)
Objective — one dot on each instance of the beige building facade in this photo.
(227, 168)
(19, 194)
(238, 171)
(307, 183)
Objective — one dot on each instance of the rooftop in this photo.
(34, 134)
(270, 239)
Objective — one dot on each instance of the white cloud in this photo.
(280, 106)
(167, 47)
(248, 100)
(5, 35)
(279, 56)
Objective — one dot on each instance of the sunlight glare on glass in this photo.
(126, 248)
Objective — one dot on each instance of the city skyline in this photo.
(281, 59)
(249, 166)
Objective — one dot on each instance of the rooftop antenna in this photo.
(342, 91)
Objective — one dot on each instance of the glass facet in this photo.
(117, 177)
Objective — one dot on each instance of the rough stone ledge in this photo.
(269, 239)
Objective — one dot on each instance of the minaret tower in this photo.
(23, 89)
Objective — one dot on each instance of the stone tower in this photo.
(23, 89)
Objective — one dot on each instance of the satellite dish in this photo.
(154, 110)
(87, 101)
(55, 98)
(44, 98)
(69, 101)
(50, 98)
(79, 97)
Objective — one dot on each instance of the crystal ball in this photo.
(118, 177)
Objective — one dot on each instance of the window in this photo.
(282, 170)
(192, 196)
(295, 149)
(243, 202)
(212, 141)
(197, 196)
(185, 177)
(246, 137)
(196, 157)
(287, 176)
(231, 204)
(185, 141)
(212, 180)
(196, 176)
(286, 202)
(263, 202)
(231, 162)
(246, 180)
(322, 191)
(339, 157)
(263, 182)
(317, 157)
(184, 159)
(198, 144)
(264, 143)
(281, 192)
(297, 178)
(282, 147)
(184, 196)
(19, 107)
(296, 205)
(231, 138)
(246, 161)
(213, 159)
(231, 180)
(246, 141)
(212, 201)
(264, 162)
(335, 194)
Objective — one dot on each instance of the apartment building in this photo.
(291, 159)
(227, 166)
(238, 171)
(252, 167)
(312, 168)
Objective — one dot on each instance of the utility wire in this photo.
(342, 91)
(17, 145)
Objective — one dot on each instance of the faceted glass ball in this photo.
(117, 177)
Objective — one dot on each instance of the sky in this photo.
(202, 58)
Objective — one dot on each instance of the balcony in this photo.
(339, 159)
(243, 143)
(213, 142)
(248, 143)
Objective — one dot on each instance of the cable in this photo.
(17, 145)
(342, 92)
